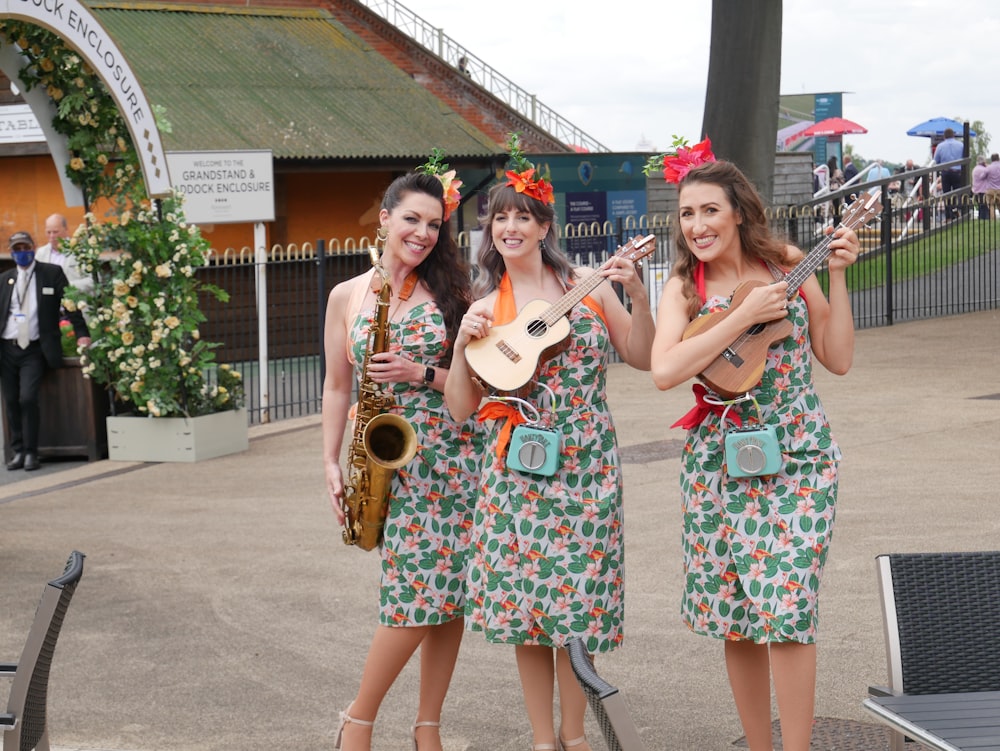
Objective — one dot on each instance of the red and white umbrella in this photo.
(833, 126)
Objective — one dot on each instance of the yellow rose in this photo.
(127, 338)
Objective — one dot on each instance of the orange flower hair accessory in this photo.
(524, 177)
(677, 163)
(436, 166)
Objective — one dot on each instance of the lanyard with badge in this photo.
(21, 292)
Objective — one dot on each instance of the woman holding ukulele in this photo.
(754, 544)
(547, 547)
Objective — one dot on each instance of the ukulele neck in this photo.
(568, 301)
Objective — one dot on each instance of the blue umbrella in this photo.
(935, 128)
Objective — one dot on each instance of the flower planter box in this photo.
(177, 439)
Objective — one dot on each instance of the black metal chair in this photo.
(605, 700)
(941, 613)
(24, 723)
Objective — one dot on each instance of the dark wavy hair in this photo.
(756, 239)
(503, 197)
(444, 271)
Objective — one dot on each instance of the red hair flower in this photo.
(523, 182)
(524, 177)
(676, 164)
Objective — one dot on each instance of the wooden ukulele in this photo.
(508, 356)
(740, 366)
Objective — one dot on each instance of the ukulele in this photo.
(740, 366)
(508, 356)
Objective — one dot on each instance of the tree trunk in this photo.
(744, 81)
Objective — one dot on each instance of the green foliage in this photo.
(980, 144)
(143, 312)
(104, 162)
(145, 317)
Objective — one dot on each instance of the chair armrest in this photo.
(880, 691)
(8, 668)
(7, 721)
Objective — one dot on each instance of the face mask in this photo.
(23, 258)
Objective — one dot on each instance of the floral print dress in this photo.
(755, 547)
(427, 531)
(547, 552)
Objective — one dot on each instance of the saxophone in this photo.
(382, 442)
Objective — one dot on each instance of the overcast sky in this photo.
(634, 70)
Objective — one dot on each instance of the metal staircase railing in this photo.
(440, 44)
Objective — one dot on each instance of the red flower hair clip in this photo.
(677, 163)
(524, 177)
(435, 166)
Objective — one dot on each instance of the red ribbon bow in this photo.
(501, 411)
(701, 408)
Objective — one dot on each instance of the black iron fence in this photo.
(924, 255)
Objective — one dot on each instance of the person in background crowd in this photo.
(950, 150)
(850, 171)
(56, 230)
(30, 300)
(424, 552)
(836, 178)
(979, 182)
(755, 543)
(993, 186)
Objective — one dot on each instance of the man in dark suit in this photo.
(30, 301)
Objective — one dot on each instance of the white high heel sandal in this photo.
(426, 724)
(345, 718)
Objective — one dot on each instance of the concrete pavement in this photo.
(220, 611)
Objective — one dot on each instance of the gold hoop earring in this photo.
(382, 233)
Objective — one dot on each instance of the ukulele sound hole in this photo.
(537, 328)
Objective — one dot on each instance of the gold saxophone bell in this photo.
(382, 443)
(390, 443)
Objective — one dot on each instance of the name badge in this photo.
(48, 290)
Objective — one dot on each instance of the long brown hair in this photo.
(444, 271)
(502, 198)
(756, 239)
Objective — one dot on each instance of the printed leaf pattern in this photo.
(427, 532)
(755, 547)
(547, 552)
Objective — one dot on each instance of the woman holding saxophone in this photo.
(426, 533)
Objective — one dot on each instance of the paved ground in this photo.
(219, 610)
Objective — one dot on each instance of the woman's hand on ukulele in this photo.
(627, 273)
(767, 302)
(845, 249)
(475, 325)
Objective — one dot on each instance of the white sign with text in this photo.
(18, 125)
(224, 187)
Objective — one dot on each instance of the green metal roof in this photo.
(293, 81)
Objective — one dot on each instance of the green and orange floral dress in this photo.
(428, 528)
(547, 552)
(755, 547)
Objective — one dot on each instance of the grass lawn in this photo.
(923, 254)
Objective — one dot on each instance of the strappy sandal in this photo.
(567, 745)
(345, 718)
(425, 724)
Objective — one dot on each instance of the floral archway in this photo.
(144, 312)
